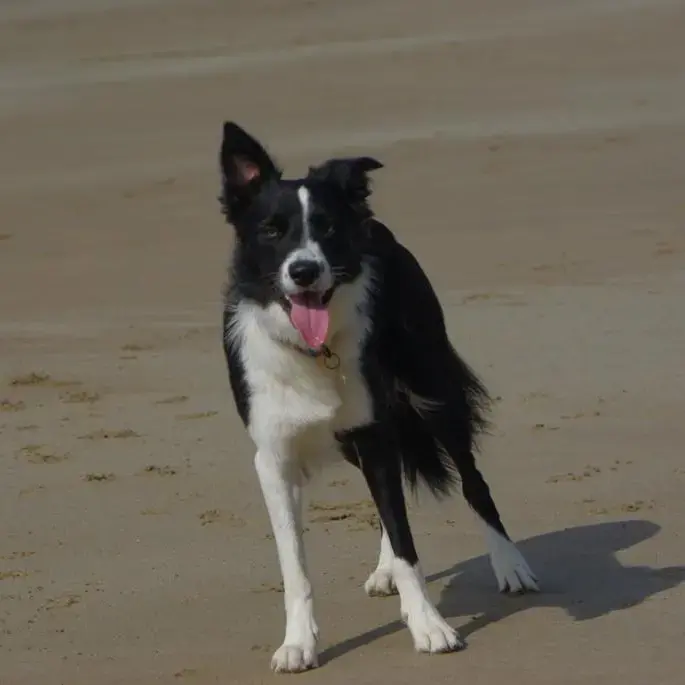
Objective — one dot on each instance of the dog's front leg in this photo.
(282, 494)
(380, 463)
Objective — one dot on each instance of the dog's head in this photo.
(297, 240)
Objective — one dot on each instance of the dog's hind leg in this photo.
(510, 567)
(381, 583)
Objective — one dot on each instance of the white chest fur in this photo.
(296, 403)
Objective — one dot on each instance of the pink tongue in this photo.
(310, 317)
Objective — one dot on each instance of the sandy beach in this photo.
(547, 139)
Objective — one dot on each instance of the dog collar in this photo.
(330, 359)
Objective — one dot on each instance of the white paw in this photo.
(511, 569)
(294, 658)
(380, 584)
(431, 633)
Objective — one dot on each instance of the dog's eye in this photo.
(322, 225)
(271, 232)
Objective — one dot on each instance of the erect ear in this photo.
(350, 175)
(245, 166)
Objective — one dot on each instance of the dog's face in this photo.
(297, 240)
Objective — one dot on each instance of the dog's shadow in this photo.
(578, 572)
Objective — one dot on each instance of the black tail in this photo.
(447, 402)
(438, 431)
(423, 459)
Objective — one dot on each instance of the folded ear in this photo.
(350, 175)
(245, 166)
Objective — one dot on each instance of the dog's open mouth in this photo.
(308, 313)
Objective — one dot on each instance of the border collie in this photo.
(336, 348)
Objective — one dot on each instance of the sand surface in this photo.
(535, 162)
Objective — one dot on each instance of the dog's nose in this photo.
(304, 272)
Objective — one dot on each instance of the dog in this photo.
(336, 347)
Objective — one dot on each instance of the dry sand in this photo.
(546, 139)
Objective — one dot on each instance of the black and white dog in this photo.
(336, 347)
